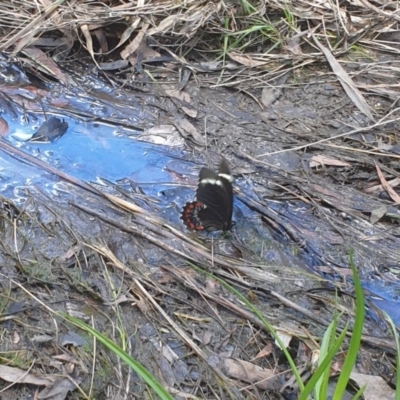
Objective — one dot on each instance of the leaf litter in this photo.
(310, 126)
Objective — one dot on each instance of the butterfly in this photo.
(212, 209)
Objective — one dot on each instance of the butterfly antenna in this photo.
(206, 140)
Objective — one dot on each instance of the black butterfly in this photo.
(212, 209)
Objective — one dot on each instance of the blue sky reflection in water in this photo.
(89, 151)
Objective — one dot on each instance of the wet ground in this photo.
(299, 208)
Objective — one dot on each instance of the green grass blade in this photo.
(355, 340)
(322, 383)
(359, 393)
(323, 366)
(137, 367)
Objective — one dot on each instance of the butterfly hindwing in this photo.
(212, 209)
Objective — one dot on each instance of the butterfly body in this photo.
(212, 209)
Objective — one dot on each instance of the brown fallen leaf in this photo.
(184, 97)
(377, 188)
(376, 387)
(265, 352)
(3, 127)
(245, 60)
(247, 372)
(393, 195)
(316, 161)
(14, 375)
(185, 127)
(166, 135)
(89, 42)
(59, 389)
(377, 214)
(179, 94)
(134, 45)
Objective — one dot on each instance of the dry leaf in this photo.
(189, 111)
(184, 127)
(58, 390)
(376, 387)
(164, 25)
(128, 32)
(245, 60)
(265, 352)
(183, 96)
(285, 338)
(269, 95)
(376, 188)
(377, 214)
(179, 94)
(102, 39)
(45, 62)
(247, 372)
(134, 45)
(10, 374)
(162, 134)
(3, 127)
(28, 33)
(317, 161)
(89, 42)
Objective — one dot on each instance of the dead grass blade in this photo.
(348, 85)
(29, 29)
(393, 195)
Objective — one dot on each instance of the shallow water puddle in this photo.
(101, 147)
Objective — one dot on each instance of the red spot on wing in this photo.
(189, 215)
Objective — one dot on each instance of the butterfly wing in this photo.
(212, 209)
